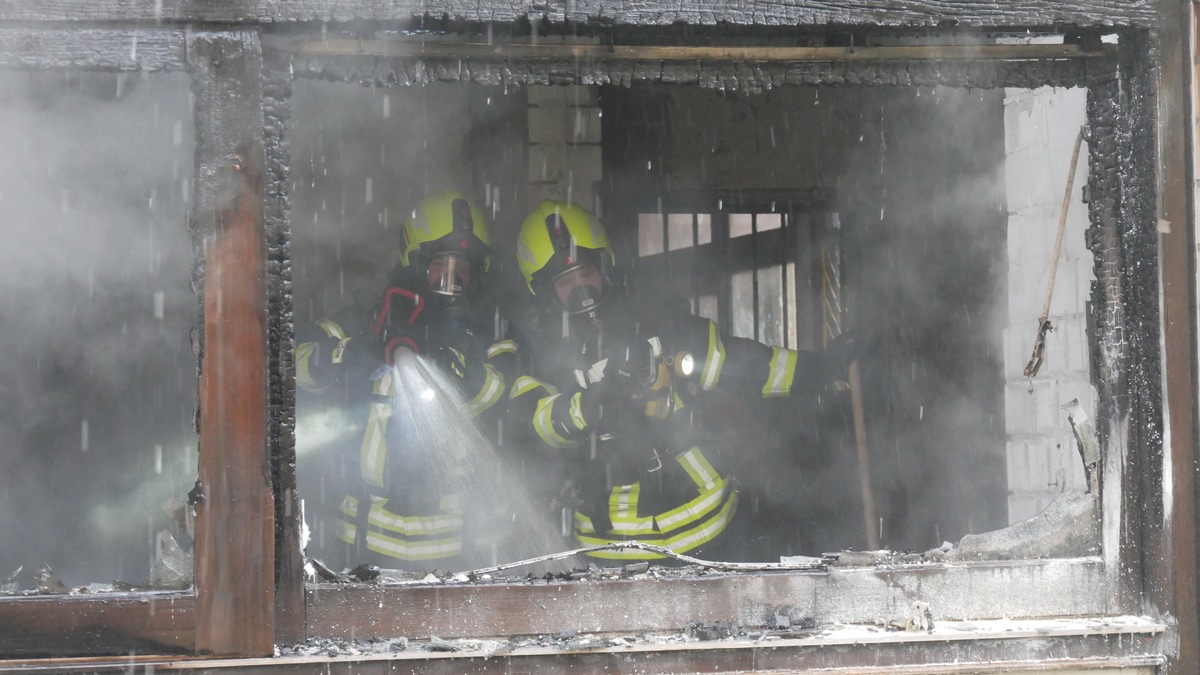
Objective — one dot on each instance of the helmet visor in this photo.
(578, 289)
(449, 274)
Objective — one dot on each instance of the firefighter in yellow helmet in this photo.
(613, 387)
(404, 508)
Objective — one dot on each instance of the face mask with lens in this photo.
(579, 289)
(449, 274)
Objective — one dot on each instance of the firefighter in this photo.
(404, 508)
(614, 392)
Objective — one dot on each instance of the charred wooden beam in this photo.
(1044, 646)
(933, 13)
(120, 49)
(737, 76)
(289, 559)
(235, 525)
(620, 53)
(97, 624)
(1173, 555)
(858, 595)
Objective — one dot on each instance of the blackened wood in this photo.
(416, 47)
(1172, 563)
(289, 558)
(939, 13)
(879, 654)
(858, 595)
(121, 49)
(96, 624)
(734, 76)
(235, 525)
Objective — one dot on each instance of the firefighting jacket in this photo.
(389, 510)
(640, 439)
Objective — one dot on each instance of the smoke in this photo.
(99, 381)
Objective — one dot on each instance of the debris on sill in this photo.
(1069, 527)
(48, 582)
(172, 569)
(570, 640)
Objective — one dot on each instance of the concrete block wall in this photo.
(1040, 130)
(564, 145)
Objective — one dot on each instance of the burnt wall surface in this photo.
(749, 78)
(981, 13)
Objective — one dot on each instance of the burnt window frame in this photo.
(232, 140)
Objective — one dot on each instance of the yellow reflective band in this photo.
(544, 426)
(680, 543)
(623, 503)
(697, 466)
(402, 537)
(526, 384)
(373, 452)
(695, 510)
(711, 373)
(404, 550)
(576, 410)
(489, 394)
(413, 526)
(502, 347)
(782, 370)
(346, 531)
(331, 329)
(304, 378)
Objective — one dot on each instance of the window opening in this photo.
(100, 450)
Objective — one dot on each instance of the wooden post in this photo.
(235, 527)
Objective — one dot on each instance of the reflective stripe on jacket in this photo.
(681, 529)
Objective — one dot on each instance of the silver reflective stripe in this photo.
(502, 347)
(782, 369)
(493, 385)
(373, 454)
(699, 468)
(714, 361)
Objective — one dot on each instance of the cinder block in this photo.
(547, 125)
(1020, 409)
(1045, 408)
(1024, 124)
(1028, 464)
(548, 162)
(1027, 179)
(562, 96)
(1025, 506)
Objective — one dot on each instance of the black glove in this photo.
(451, 360)
(840, 353)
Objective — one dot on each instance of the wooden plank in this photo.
(856, 595)
(1172, 561)
(415, 47)
(1129, 652)
(235, 525)
(940, 13)
(97, 624)
(950, 648)
(120, 49)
